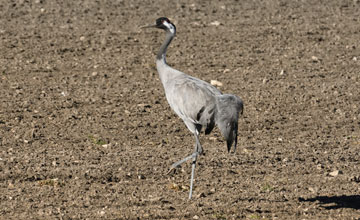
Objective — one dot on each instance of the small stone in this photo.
(215, 23)
(195, 23)
(82, 38)
(216, 83)
(141, 177)
(319, 166)
(196, 217)
(184, 187)
(175, 187)
(335, 173)
(226, 70)
(311, 189)
(315, 59)
(11, 186)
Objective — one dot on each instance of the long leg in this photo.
(192, 176)
(198, 150)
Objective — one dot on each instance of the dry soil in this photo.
(86, 132)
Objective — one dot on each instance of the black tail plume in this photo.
(227, 115)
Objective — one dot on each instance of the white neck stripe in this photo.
(169, 26)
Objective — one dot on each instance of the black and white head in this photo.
(163, 23)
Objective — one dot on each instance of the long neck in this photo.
(162, 52)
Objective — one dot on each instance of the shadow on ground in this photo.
(336, 202)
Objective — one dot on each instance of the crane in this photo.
(196, 102)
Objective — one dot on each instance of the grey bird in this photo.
(196, 102)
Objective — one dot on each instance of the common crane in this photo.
(196, 102)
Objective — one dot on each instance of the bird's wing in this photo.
(193, 100)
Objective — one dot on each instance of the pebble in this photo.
(311, 189)
(216, 83)
(215, 23)
(226, 70)
(319, 166)
(315, 59)
(335, 173)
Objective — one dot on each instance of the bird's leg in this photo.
(198, 150)
(198, 147)
(192, 176)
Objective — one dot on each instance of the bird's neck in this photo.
(162, 52)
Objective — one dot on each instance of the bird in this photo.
(198, 103)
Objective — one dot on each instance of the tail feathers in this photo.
(228, 109)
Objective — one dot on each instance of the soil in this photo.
(86, 131)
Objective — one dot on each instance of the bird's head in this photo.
(163, 23)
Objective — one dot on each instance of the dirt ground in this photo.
(86, 132)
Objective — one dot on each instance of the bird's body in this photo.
(193, 100)
(196, 102)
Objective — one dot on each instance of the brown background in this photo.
(86, 132)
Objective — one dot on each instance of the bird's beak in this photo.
(148, 26)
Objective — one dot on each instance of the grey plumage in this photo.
(228, 109)
(196, 102)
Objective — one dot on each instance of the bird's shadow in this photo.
(336, 202)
